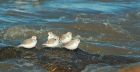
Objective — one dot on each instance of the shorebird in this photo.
(72, 45)
(53, 42)
(29, 43)
(51, 35)
(65, 38)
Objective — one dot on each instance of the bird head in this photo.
(34, 37)
(77, 40)
(69, 33)
(50, 33)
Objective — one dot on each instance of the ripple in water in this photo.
(104, 26)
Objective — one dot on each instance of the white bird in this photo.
(53, 42)
(72, 45)
(65, 38)
(51, 35)
(29, 43)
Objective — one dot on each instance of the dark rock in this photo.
(63, 60)
(9, 52)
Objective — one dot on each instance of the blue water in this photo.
(30, 11)
(124, 14)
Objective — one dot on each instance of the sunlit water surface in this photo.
(104, 26)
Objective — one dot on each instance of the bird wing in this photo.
(27, 41)
(69, 43)
(51, 41)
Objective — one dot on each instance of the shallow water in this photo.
(100, 24)
(19, 65)
(104, 26)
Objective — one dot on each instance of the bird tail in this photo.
(19, 46)
(43, 44)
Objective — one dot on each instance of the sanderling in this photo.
(51, 35)
(53, 42)
(29, 43)
(65, 38)
(73, 44)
